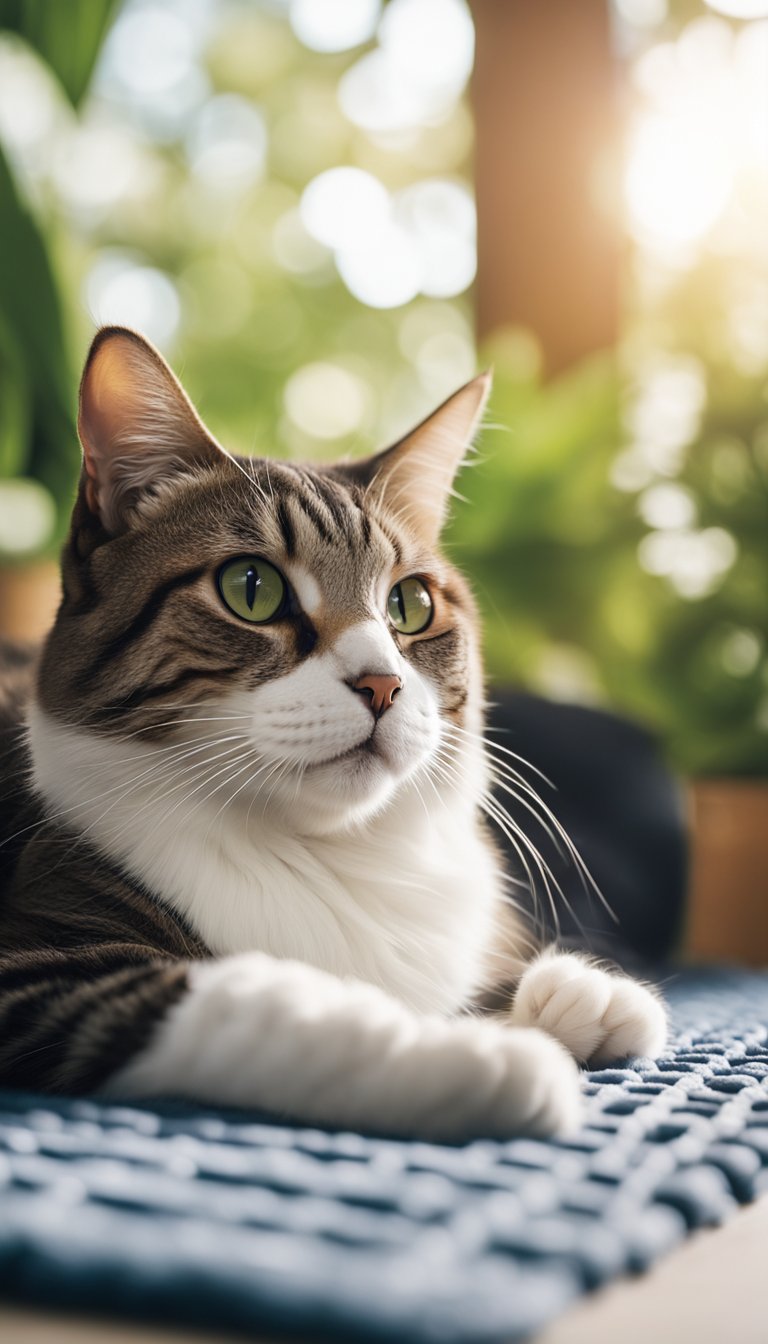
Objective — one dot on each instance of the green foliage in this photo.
(554, 548)
(37, 432)
(38, 438)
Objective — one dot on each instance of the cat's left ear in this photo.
(414, 477)
(137, 426)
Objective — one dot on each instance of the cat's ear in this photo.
(136, 423)
(414, 477)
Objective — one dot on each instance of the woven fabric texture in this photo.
(233, 1222)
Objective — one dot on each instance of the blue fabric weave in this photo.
(231, 1222)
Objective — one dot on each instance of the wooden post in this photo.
(29, 596)
(546, 116)
(728, 900)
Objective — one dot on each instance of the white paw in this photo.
(486, 1079)
(599, 1017)
(541, 1094)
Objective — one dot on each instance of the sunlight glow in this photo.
(703, 133)
(677, 182)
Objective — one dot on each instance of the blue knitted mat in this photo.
(224, 1221)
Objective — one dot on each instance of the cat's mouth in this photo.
(365, 748)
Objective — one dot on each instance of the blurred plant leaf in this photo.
(66, 34)
(15, 426)
(30, 310)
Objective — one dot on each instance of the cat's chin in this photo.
(343, 791)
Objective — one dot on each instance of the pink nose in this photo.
(380, 690)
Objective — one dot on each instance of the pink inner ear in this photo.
(104, 409)
(106, 403)
(415, 476)
(136, 423)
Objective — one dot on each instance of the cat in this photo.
(251, 867)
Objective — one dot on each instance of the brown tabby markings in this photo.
(151, 628)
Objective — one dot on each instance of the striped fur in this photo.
(222, 876)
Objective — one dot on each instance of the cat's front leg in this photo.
(287, 1038)
(599, 1016)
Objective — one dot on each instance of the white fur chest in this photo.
(408, 901)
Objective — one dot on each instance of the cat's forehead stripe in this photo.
(301, 498)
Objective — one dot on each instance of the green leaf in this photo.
(15, 410)
(30, 309)
(67, 34)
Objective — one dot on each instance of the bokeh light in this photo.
(667, 507)
(694, 563)
(27, 517)
(334, 25)
(741, 651)
(740, 9)
(344, 207)
(412, 78)
(94, 167)
(227, 145)
(325, 401)
(642, 13)
(120, 290)
(439, 218)
(151, 66)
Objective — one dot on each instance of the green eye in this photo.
(253, 589)
(409, 606)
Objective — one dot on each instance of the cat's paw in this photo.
(478, 1078)
(541, 1092)
(598, 1016)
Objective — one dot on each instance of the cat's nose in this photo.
(380, 690)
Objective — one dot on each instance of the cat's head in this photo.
(291, 633)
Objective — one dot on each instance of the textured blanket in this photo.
(238, 1223)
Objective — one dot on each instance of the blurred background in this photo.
(329, 213)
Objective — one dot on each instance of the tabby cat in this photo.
(251, 867)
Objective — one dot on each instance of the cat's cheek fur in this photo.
(600, 1017)
(292, 1040)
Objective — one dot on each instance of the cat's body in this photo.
(263, 875)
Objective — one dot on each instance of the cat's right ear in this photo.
(136, 423)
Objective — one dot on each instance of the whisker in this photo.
(502, 767)
(49, 817)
